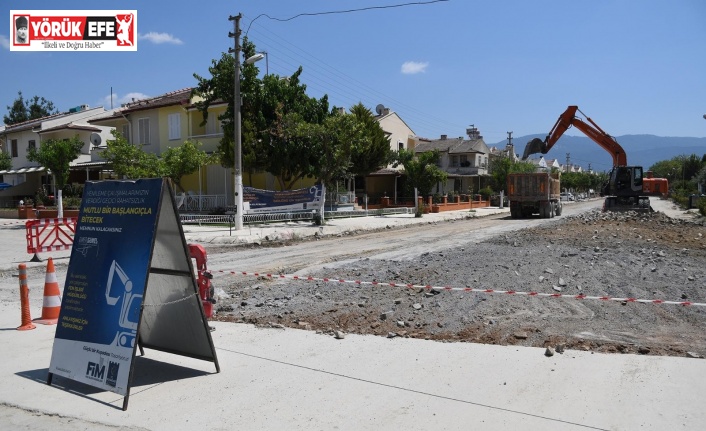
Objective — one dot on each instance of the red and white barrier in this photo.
(52, 234)
(469, 289)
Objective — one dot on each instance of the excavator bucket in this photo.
(534, 146)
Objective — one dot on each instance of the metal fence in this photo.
(193, 202)
(264, 218)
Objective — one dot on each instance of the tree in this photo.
(57, 155)
(271, 109)
(422, 171)
(24, 110)
(183, 160)
(500, 167)
(275, 128)
(5, 161)
(332, 143)
(373, 151)
(131, 161)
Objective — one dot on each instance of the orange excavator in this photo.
(625, 188)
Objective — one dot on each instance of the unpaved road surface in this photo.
(584, 252)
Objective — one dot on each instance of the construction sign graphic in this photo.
(73, 30)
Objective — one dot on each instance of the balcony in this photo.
(466, 170)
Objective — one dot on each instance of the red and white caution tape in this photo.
(580, 296)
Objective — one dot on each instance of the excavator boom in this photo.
(588, 127)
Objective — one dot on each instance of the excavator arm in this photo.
(589, 128)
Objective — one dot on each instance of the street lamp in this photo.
(259, 56)
(237, 157)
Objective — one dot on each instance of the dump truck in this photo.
(534, 193)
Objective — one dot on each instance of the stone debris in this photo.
(339, 335)
(549, 352)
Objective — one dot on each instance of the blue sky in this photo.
(634, 66)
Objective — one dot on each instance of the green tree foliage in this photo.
(183, 160)
(333, 142)
(57, 155)
(682, 172)
(372, 151)
(5, 161)
(266, 107)
(277, 114)
(23, 110)
(422, 171)
(500, 167)
(131, 161)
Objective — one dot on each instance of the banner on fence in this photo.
(261, 201)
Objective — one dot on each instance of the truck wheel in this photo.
(559, 208)
(544, 210)
(551, 210)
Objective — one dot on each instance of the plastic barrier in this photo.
(50, 235)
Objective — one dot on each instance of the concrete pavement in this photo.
(295, 379)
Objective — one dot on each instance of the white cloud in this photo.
(4, 42)
(159, 38)
(413, 67)
(119, 100)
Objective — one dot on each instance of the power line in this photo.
(329, 80)
(343, 11)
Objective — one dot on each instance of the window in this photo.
(214, 125)
(143, 131)
(126, 132)
(454, 161)
(13, 147)
(174, 126)
(32, 145)
(400, 146)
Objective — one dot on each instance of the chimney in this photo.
(443, 137)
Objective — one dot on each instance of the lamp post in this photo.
(237, 156)
(259, 56)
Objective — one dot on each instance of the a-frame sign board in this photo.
(130, 284)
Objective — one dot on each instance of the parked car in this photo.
(567, 196)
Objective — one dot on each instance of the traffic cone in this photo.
(52, 297)
(24, 298)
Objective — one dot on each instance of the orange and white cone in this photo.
(52, 297)
(24, 298)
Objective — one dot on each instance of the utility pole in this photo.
(237, 159)
(568, 161)
(510, 147)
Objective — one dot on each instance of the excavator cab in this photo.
(623, 190)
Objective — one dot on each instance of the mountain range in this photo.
(641, 150)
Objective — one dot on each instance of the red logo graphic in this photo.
(126, 34)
